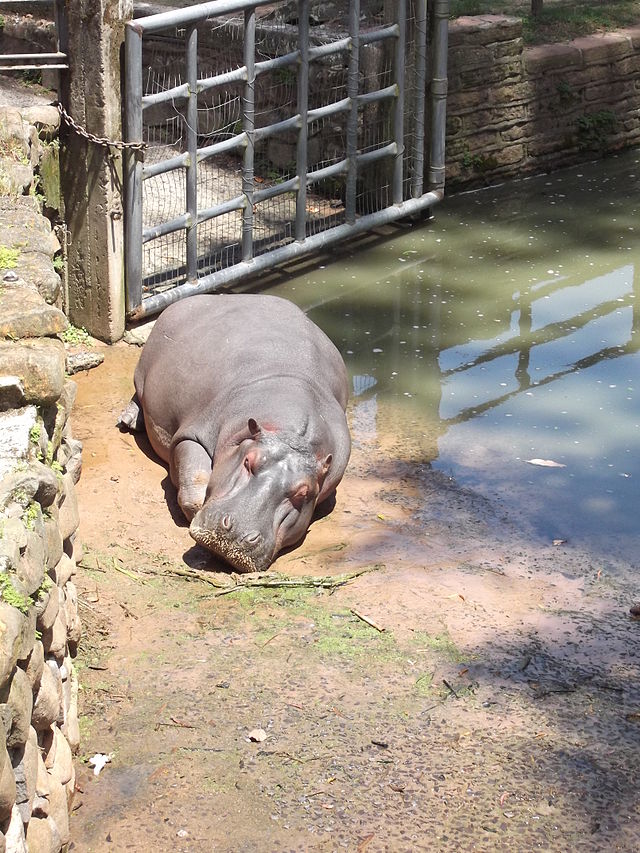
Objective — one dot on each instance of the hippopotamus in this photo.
(244, 397)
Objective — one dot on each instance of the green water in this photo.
(505, 330)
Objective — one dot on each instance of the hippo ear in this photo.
(254, 427)
(324, 465)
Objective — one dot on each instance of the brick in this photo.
(543, 58)
(603, 47)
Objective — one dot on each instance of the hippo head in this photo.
(261, 495)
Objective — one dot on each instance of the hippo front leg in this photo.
(190, 470)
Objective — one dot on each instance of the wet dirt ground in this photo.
(475, 689)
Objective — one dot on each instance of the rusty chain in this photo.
(104, 141)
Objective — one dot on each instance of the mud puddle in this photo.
(475, 689)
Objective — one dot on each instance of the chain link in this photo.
(104, 141)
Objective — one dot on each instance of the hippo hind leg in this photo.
(132, 417)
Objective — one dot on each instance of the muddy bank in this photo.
(498, 709)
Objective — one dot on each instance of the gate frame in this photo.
(136, 171)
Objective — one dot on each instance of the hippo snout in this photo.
(246, 552)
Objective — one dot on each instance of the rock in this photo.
(42, 835)
(20, 703)
(55, 640)
(34, 665)
(61, 768)
(29, 231)
(9, 554)
(7, 784)
(25, 314)
(13, 642)
(14, 133)
(38, 270)
(15, 530)
(69, 518)
(58, 809)
(46, 608)
(70, 457)
(40, 364)
(68, 398)
(53, 542)
(44, 117)
(74, 625)
(42, 778)
(31, 568)
(14, 834)
(47, 705)
(137, 335)
(64, 570)
(48, 484)
(71, 727)
(11, 392)
(26, 773)
(15, 427)
(78, 361)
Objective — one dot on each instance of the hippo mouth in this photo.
(228, 549)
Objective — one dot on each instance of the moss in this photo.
(8, 258)
(11, 596)
(30, 515)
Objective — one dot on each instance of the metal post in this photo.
(248, 126)
(398, 113)
(133, 166)
(439, 95)
(303, 130)
(191, 46)
(352, 117)
(420, 84)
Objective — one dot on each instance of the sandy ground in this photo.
(488, 700)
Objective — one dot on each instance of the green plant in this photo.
(595, 129)
(58, 263)
(8, 257)
(30, 515)
(34, 434)
(10, 594)
(76, 336)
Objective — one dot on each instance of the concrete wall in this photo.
(513, 110)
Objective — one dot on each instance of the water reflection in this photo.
(505, 330)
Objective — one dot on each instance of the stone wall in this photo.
(39, 465)
(513, 111)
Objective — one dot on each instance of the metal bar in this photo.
(303, 106)
(292, 123)
(329, 110)
(191, 14)
(292, 185)
(439, 85)
(191, 47)
(320, 50)
(353, 84)
(420, 86)
(379, 95)
(5, 58)
(368, 157)
(327, 172)
(35, 66)
(178, 224)
(278, 62)
(62, 25)
(228, 206)
(151, 170)
(177, 93)
(398, 112)
(381, 35)
(133, 167)
(248, 126)
(239, 141)
(238, 75)
(230, 275)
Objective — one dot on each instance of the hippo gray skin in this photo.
(244, 398)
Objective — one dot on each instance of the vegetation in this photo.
(558, 20)
(8, 258)
(10, 594)
(76, 336)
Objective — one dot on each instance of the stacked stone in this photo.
(39, 466)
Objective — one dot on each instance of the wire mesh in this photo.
(221, 117)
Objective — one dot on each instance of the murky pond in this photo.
(505, 331)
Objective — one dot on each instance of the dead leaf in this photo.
(365, 842)
(257, 735)
(504, 797)
(545, 463)
(559, 542)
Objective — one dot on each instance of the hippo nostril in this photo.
(253, 538)
(226, 522)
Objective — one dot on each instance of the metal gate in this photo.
(265, 133)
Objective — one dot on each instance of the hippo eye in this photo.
(247, 464)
